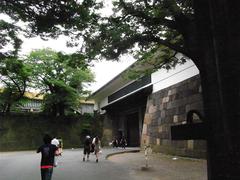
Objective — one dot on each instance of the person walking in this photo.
(48, 151)
(87, 147)
(115, 143)
(55, 142)
(123, 142)
(97, 146)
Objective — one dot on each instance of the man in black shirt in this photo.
(48, 152)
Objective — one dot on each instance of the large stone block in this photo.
(171, 112)
(175, 119)
(181, 109)
(152, 109)
(147, 119)
(194, 106)
(190, 144)
(160, 129)
(161, 107)
(172, 91)
(144, 130)
(107, 136)
(200, 144)
(166, 142)
(147, 140)
(165, 99)
(179, 144)
(159, 120)
(163, 114)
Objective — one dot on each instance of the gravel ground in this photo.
(161, 167)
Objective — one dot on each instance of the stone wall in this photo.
(107, 130)
(25, 131)
(169, 107)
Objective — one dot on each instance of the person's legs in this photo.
(49, 173)
(46, 173)
(96, 153)
(88, 155)
(43, 172)
(55, 161)
(84, 154)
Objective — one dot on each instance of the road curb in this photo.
(122, 152)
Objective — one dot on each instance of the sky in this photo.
(104, 70)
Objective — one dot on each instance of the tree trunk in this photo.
(61, 109)
(7, 108)
(54, 110)
(219, 43)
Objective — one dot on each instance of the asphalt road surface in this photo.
(25, 166)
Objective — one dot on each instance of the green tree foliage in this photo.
(48, 17)
(61, 77)
(9, 38)
(14, 75)
(143, 27)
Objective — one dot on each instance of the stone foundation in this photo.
(169, 107)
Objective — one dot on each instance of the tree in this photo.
(9, 38)
(62, 77)
(49, 17)
(14, 75)
(207, 31)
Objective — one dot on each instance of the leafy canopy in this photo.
(62, 77)
(139, 27)
(9, 39)
(15, 76)
(144, 27)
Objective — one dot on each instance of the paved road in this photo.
(25, 166)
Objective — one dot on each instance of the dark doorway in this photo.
(132, 125)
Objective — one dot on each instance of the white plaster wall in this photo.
(164, 78)
(86, 108)
(103, 102)
(96, 106)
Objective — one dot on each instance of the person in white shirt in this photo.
(55, 142)
(97, 146)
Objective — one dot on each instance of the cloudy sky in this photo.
(104, 70)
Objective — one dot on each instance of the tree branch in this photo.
(151, 20)
(120, 47)
(151, 38)
(14, 82)
(5, 82)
